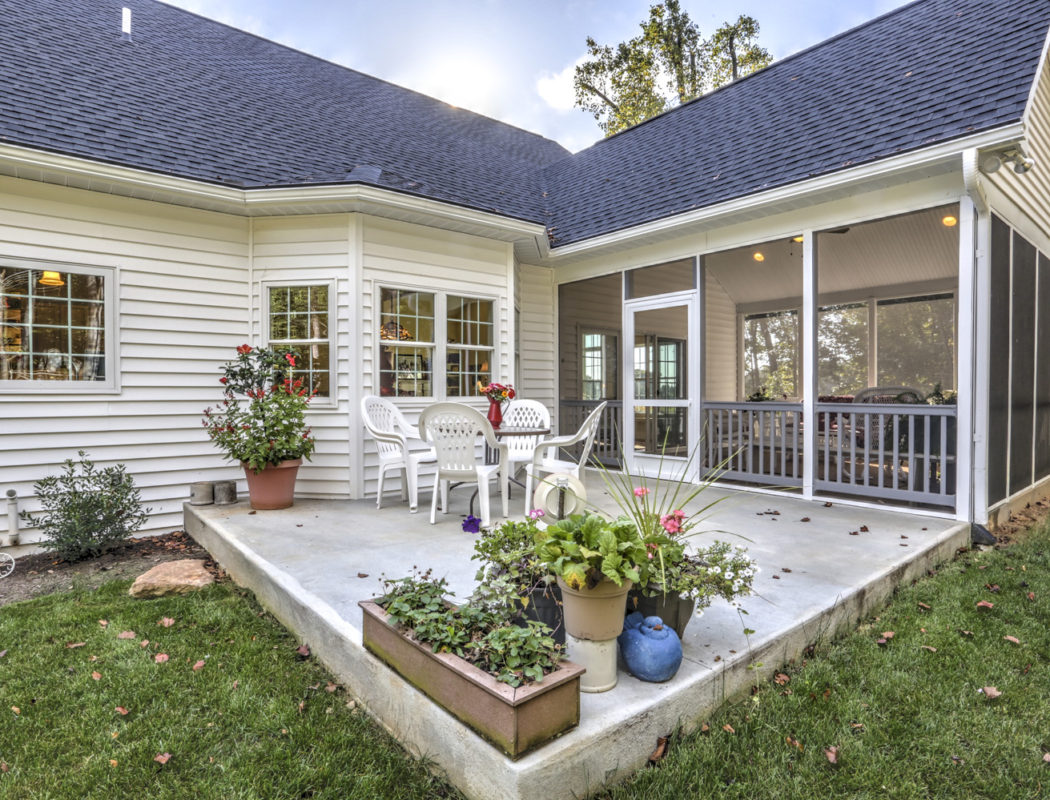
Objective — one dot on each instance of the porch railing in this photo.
(755, 442)
(896, 452)
(607, 441)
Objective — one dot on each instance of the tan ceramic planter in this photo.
(516, 720)
(274, 487)
(595, 614)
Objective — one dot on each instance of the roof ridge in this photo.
(336, 64)
(775, 64)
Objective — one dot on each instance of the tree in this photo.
(668, 63)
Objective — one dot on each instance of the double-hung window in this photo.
(297, 321)
(56, 327)
(434, 344)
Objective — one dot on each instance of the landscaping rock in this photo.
(172, 577)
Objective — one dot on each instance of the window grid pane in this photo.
(405, 371)
(464, 369)
(299, 324)
(52, 325)
(771, 353)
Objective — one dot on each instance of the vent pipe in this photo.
(125, 24)
(12, 517)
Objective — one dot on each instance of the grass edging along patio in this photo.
(516, 720)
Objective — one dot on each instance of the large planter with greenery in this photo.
(516, 719)
(261, 422)
(506, 682)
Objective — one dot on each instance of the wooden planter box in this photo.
(516, 720)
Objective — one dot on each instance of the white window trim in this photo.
(440, 345)
(110, 303)
(333, 389)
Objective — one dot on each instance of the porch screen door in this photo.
(661, 380)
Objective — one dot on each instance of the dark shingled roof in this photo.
(928, 72)
(194, 98)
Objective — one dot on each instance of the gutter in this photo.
(916, 159)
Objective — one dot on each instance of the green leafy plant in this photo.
(941, 397)
(262, 417)
(507, 551)
(87, 510)
(586, 548)
(479, 631)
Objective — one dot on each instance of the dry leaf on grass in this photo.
(728, 728)
(97, 676)
(103, 622)
(162, 758)
(71, 645)
(303, 650)
(780, 679)
(991, 692)
(166, 622)
(1013, 639)
(927, 647)
(198, 665)
(126, 635)
(985, 604)
(831, 754)
(122, 711)
(160, 658)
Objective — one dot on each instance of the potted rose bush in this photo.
(261, 422)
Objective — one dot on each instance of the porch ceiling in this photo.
(909, 249)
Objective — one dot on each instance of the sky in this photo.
(509, 59)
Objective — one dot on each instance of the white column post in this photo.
(966, 360)
(809, 361)
(981, 355)
(355, 340)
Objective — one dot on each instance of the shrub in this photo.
(87, 511)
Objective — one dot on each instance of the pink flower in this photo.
(536, 513)
(640, 491)
(673, 522)
(290, 359)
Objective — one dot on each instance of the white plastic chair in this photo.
(453, 429)
(523, 414)
(545, 457)
(393, 437)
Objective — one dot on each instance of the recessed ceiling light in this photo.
(758, 257)
(949, 221)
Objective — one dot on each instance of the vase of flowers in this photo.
(261, 422)
(497, 394)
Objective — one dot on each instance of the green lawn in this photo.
(256, 720)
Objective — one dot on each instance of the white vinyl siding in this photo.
(313, 250)
(180, 304)
(536, 327)
(720, 343)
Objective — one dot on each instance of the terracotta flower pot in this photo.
(595, 614)
(274, 487)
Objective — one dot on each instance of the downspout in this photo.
(975, 191)
(971, 180)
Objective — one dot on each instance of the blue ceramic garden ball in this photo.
(650, 649)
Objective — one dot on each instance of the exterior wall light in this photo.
(949, 221)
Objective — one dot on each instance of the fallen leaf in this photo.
(854, 533)
(661, 750)
(831, 754)
(3, 766)
(966, 633)
(71, 645)
(924, 607)
(957, 760)
(863, 528)
(3, 653)
(827, 505)
(160, 658)
(804, 519)
(198, 665)
(985, 604)
(880, 641)
(1013, 639)
(1046, 757)
(856, 725)
(903, 536)
(302, 705)
(303, 650)
(115, 734)
(162, 758)
(992, 587)
(991, 692)
(728, 728)
(166, 622)
(122, 711)
(705, 728)
(1031, 596)
(236, 684)
(793, 742)
(780, 679)
(362, 574)
(126, 635)
(113, 762)
(776, 577)
(16, 709)
(888, 634)
(827, 693)
(92, 658)
(103, 622)
(785, 569)
(330, 687)
(927, 647)
(97, 676)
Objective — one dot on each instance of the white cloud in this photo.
(556, 87)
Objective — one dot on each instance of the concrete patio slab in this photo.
(311, 564)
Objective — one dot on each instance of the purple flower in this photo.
(536, 513)
(471, 524)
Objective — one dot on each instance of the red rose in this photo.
(222, 380)
(244, 348)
